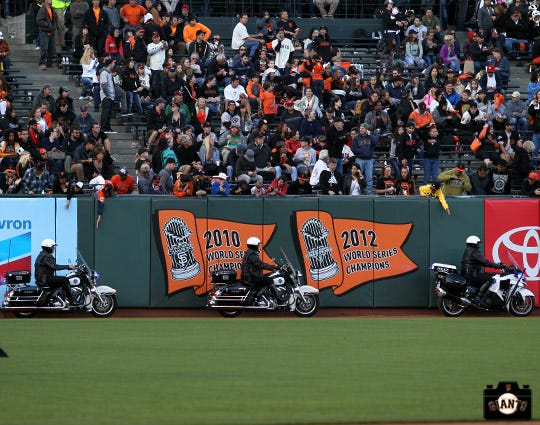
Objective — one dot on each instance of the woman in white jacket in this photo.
(89, 65)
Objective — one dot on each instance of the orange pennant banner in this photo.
(195, 247)
(345, 253)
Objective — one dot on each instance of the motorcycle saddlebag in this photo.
(224, 276)
(18, 276)
(27, 291)
(455, 283)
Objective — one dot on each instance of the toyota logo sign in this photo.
(523, 243)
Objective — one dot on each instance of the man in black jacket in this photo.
(138, 50)
(46, 21)
(45, 268)
(336, 137)
(252, 268)
(97, 28)
(472, 263)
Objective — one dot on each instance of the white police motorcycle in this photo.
(24, 300)
(507, 291)
(231, 296)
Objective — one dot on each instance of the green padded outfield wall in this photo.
(360, 252)
(364, 252)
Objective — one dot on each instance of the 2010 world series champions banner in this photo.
(194, 247)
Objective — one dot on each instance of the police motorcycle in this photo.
(507, 291)
(24, 300)
(231, 296)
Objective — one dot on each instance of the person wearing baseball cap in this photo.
(433, 190)
(183, 12)
(123, 182)
(531, 185)
(491, 82)
(516, 110)
(220, 185)
(246, 168)
(37, 180)
(456, 181)
(157, 53)
(291, 116)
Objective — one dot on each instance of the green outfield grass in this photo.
(259, 371)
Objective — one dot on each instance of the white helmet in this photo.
(48, 243)
(253, 241)
(474, 240)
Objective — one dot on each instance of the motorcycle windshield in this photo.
(81, 259)
(289, 264)
(511, 261)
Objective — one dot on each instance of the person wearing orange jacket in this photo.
(123, 182)
(190, 31)
(254, 90)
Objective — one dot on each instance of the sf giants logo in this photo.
(523, 243)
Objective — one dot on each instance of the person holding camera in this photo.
(283, 47)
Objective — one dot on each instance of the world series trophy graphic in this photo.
(322, 265)
(180, 250)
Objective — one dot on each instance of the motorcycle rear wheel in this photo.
(308, 307)
(105, 308)
(23, 314)
(521, 307)
(230, 313)
(449, 307)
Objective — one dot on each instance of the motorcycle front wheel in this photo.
(308, 307)
(449, 307)
(230, 313)
(521, 306)
(105, 308)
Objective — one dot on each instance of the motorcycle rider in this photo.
(252, 268)
(471, 267)
(45, 267)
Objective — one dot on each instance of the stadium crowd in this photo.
(270, 114)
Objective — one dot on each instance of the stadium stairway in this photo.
(30, 80)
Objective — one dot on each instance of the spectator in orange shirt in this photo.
(422, 119)
(123, 182)
(254, 90)
(268, 102)
(190, 31)
(132, 14)
(317, 78)
(183, 187)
